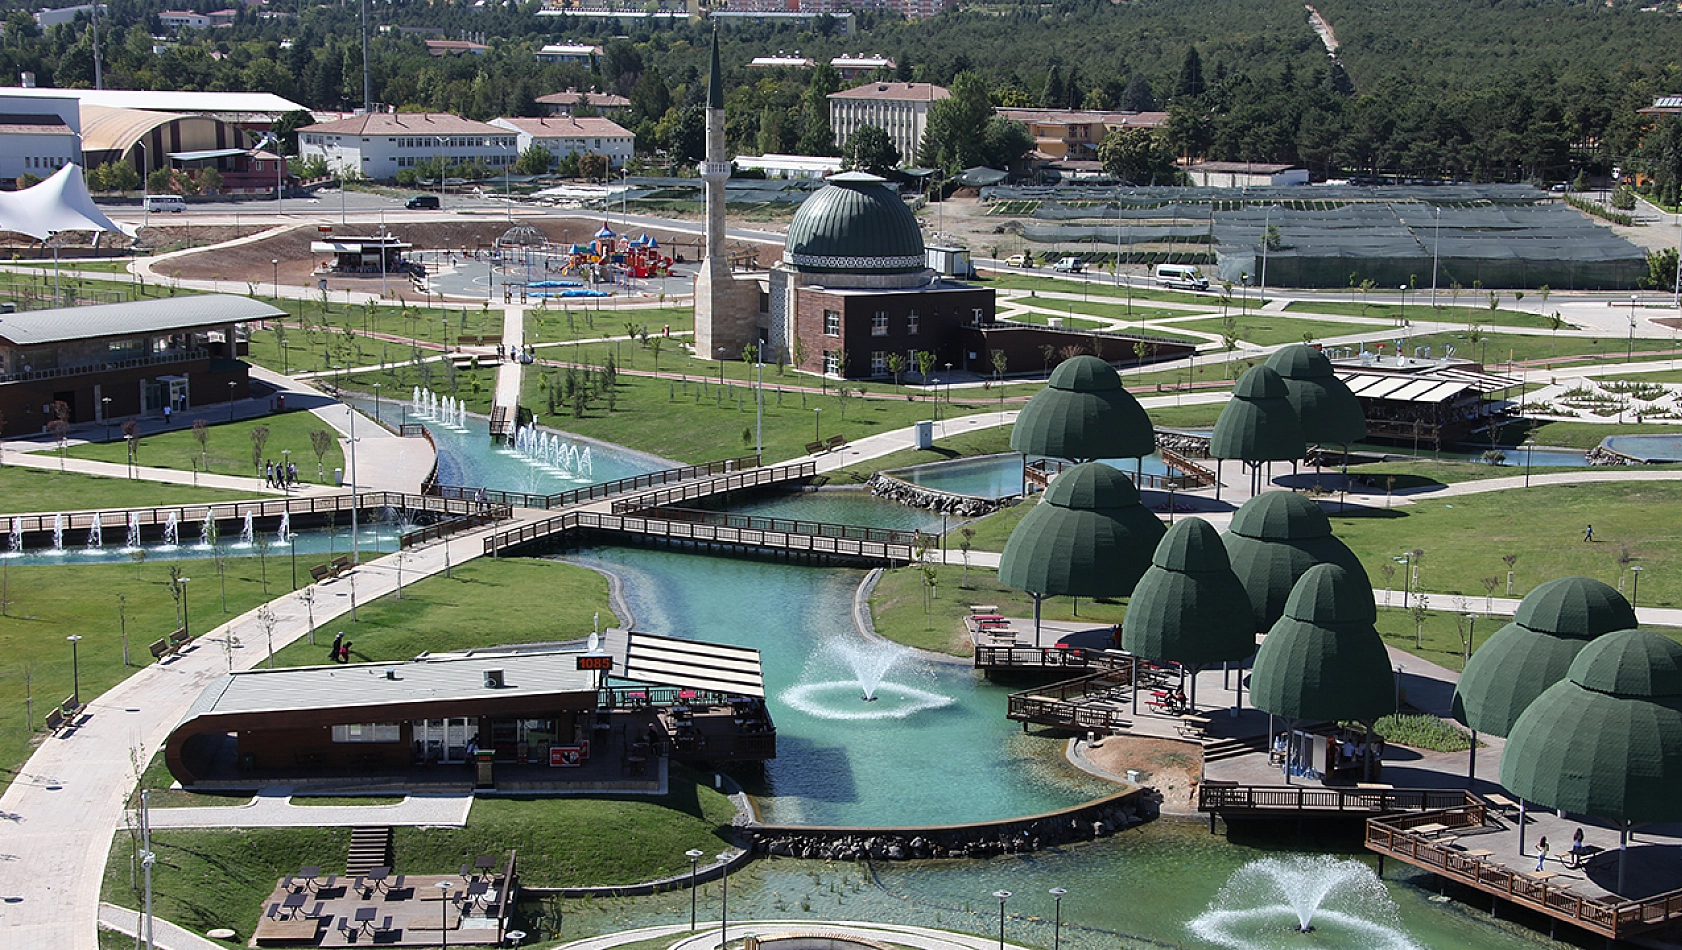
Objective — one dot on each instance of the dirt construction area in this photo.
(1171, 767)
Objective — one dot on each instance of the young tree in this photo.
(896, 366)
(259, 439)
(925, 364)
(201, 435)
(320, 441)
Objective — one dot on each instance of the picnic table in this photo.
(1429, 829)
(307, 876)
(294, 903)
(365, 917)
(1479, 854)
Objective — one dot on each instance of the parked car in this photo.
(1019, 260)
(1069, 265)
(420, 202)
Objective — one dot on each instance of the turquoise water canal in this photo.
(998, 476)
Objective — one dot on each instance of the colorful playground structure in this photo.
(534, 266)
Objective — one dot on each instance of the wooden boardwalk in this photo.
(402, 910)
(188, 517)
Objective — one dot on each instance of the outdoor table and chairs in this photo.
(294, 903)
(485, 862)
(1429, 829)
(376, 878)
(365, 917)
(476, 892)
(307, 877)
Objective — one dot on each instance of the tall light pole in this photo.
(817, 424)
(444, 912)
(231, 387)
(1267, 226)
(721, 352)
(759, 409)
(186, 618)
(377, 403)
(105, 410)
(1635, 586)
(1404, 305)
(355, 553)
(1436, 239)
(1471, 635)
(694, 856)
(1406, 560)
(1630, 353)
(75, 671)
(276, 264)
(1002, 896)
(147, 858)
(724, 902)
(1057, 920)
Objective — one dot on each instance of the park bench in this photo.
(179, 639)
(161, 649)
(321, 572)
(835, 442)
(55, 720)
(813, 448)
(341, 564)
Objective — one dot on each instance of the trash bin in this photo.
(280, 402)
(339, 477)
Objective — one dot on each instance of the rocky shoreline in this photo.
(916, 496)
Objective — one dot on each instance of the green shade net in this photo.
(1189, 607)
(1324, 658)
(1083, 413)
(1258, 424)
(1089, 536)
(1552, 625)
(1273, 540)
(1330, 414)
(1606, 740)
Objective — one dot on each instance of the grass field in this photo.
(964, 445)
(99, 601)
(531, 601)
(1272, 329)
(1468, 311)
(31, 489)
(1496, 349)
(227, 448)
(1572, 435)
(1098, 285)
(207, 879)
(897, 607)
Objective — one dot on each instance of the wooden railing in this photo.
(185, 515)
(647, 525)
(1025, 657)
(444, 529)
(792, 525)
(1611, 917)
(618, 486)
(689, 491)
(1195, 475)
(1308, 798)
(1041, 471)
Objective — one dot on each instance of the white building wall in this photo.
(40, 155)
(903, 120)
(617, 148)
(383, 156)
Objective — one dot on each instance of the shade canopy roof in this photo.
(1327, 410)
(159, 315)
(1552, 625)
(1083, 413)
(1606, 740)
(1324, 658)
(1189, 607)
(59, 203)
(1274, 539)
(1259, 423)
(1088, 536)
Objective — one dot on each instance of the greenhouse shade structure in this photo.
(1190, 608)
(1273, 540)
(1324, 658)
(1089, 535)
(1258, 425)
(1083, 414)
(1606, 741)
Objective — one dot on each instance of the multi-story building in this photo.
(568, 53)
(38, 135)
(565, 103)
(561, 136)
(183, 20)
(899, 108)
(783, 60)
(1074, 134)
(381, 144)
(853, 67)
(455, 48)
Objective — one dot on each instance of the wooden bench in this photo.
(179, 639)
(813, 448)
(341, 564)
(55, 720)
(321, 572)
(161, 649)
(835, 442)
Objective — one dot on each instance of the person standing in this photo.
(1541, 852)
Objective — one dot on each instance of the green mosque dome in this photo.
(855, 225)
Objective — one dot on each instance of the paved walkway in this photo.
(165, 935)
(274, 808)
(510, 372)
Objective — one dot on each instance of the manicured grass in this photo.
(354, 801)
(227, 448)
(1099, 285)
(994, 530)
(47, 604)
(1041, 319)
(1425, 474)
(694, 420)
(1444, 313)
(897, 607)
(964, 445)
(1572, 435)
(1495, 350)
(1198, 416)
(483, 603)
(206, 879)
(1465, 537)
(1270, 329)
(32, 489)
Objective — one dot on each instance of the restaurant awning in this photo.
(208, 153)
(693, 664)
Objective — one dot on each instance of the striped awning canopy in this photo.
(1437, 386)
(693, 664)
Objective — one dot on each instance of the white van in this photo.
(165, 203)
(1181, 277)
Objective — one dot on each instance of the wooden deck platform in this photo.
(400, 911)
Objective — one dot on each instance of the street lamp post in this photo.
(1529, 450)
(275, 262)
(1635, 586)
(1002, 896)
(1406, 560)
(355, 552)
(1057, 919)
(1404, 305)
(1471, 635)
(1629, 354)
(105, 410)
(231, 387)
(1436, 237)
(759, 409)
(817, 424)
(721, 366)
(377, 404)
(694, 856)
(75, 671)
(724, 902)
(186, 617)
(444, 912)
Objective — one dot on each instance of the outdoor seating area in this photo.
(384, 908)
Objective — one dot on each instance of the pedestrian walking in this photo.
(1588, 533)
(1541, 852)
(268, 474)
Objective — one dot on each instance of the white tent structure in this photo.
(60, 203)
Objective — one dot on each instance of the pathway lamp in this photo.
(1002, 896)
(1057, 918)
(817, 424)
(105, 410)
(444, 912)
(1406, 560)
(1629, 354)
(724, 902)
(231, 387)
(1635, 585)
(75, 671)
(275, 261)
(694, 856)
(186, 618)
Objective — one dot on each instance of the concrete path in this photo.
(165, 935)
(921, 938)
(274, 808)
(509, 372)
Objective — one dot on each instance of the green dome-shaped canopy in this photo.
(1611, 754)
(1258, 424)
(1310, 667)
(1578, 607)
(1328, 411)
(1083, 413)
(1551, 626)
(854, 225)
(1090, 537)
(1274, 539)
(1189, 607)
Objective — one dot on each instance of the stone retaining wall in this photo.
(1095, 819)
(916, 496)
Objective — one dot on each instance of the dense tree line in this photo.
(1499, 90)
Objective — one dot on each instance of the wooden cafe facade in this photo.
(511, 719)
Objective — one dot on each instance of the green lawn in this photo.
(1443, 313)
(530, 601)
(1572, 435)
(994, 530)
(1099, 285)
(1041, 319)
(220, 878)
(898, 610)
(1464, 538)
(46, 604)
(227, 448)
(964, 445)
(1270, 329)
(32, 489)
(1496, 349)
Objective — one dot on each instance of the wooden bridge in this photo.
(1425, 839)
(1233, 799)
(578, 496)
(300, 506)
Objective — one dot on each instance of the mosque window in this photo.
(832, 323)
(878, 362)
(879, 323)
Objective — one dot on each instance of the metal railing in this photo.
(690, 491)
(444, 529)
(1024, 657)
(179, 356)
(230, 511)
(1041, 471)
(790, 525)
(1294, 798)
(650, 525)
(618, 486)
